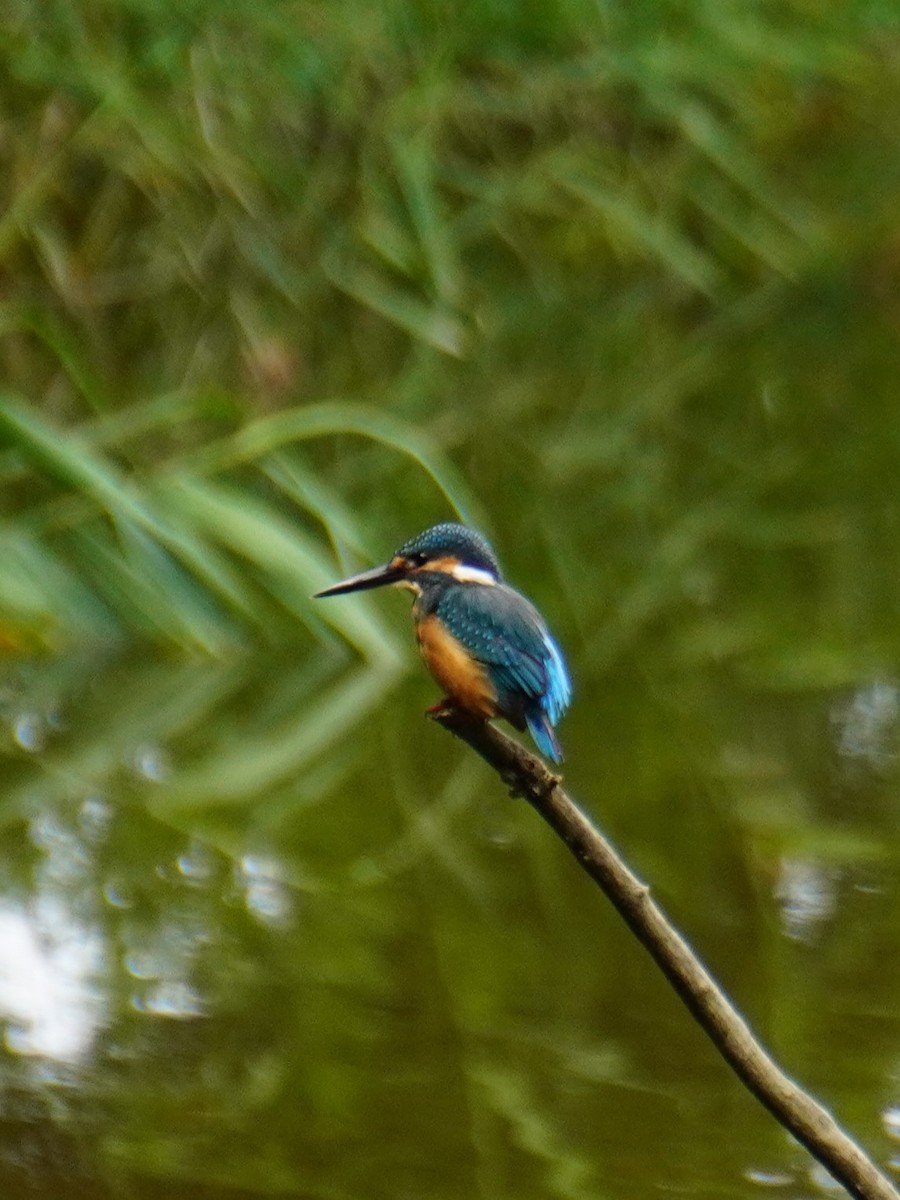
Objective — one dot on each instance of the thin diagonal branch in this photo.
(804, 1117)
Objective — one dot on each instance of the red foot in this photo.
(443, 708)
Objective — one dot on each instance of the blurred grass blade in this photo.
(712, 137)
(263, 536)
(643, 230)
(54, 335)
(306, 489)
(261, 437)
(134, 575)
(414, 163)
(68, 457)
(71, 459)
(37, 586)
(255, 764)
(435, 327)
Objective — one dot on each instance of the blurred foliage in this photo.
(631, 270)
(282, 284)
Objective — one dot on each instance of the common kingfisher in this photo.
(485, 644)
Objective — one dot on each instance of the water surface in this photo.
(237, 962)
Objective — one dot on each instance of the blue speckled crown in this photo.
(450, 540)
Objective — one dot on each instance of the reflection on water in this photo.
(369, 972)
(51, 998)
(265, 894)
(867, 724)
(807, 893)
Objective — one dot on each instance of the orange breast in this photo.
(463, 679)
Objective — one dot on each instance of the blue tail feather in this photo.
(544, 738)
(559, 687)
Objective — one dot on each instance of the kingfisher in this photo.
(486, 645)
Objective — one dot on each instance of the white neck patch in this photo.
(472, 575)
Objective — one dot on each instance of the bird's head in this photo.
(448, 549)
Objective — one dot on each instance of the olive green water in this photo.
(281, 285)
(233, 966)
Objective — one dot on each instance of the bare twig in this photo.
(808, 1121)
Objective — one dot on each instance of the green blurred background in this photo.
(282, 285)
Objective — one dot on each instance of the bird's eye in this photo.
(419, 559)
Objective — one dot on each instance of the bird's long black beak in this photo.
(377, 577)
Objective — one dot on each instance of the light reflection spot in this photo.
(806, 893)
(144, 964)
(867, 724)
(769, 1179)
(48, 966)
(95, 816)
(196, 865)
(825, 1182)
(173, 999)
(269, 901)
(29, 732)
(890, 1118)
(66, 859)
(116, 898)
(265, 896)
(152, 763)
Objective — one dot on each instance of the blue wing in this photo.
(504, 631)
